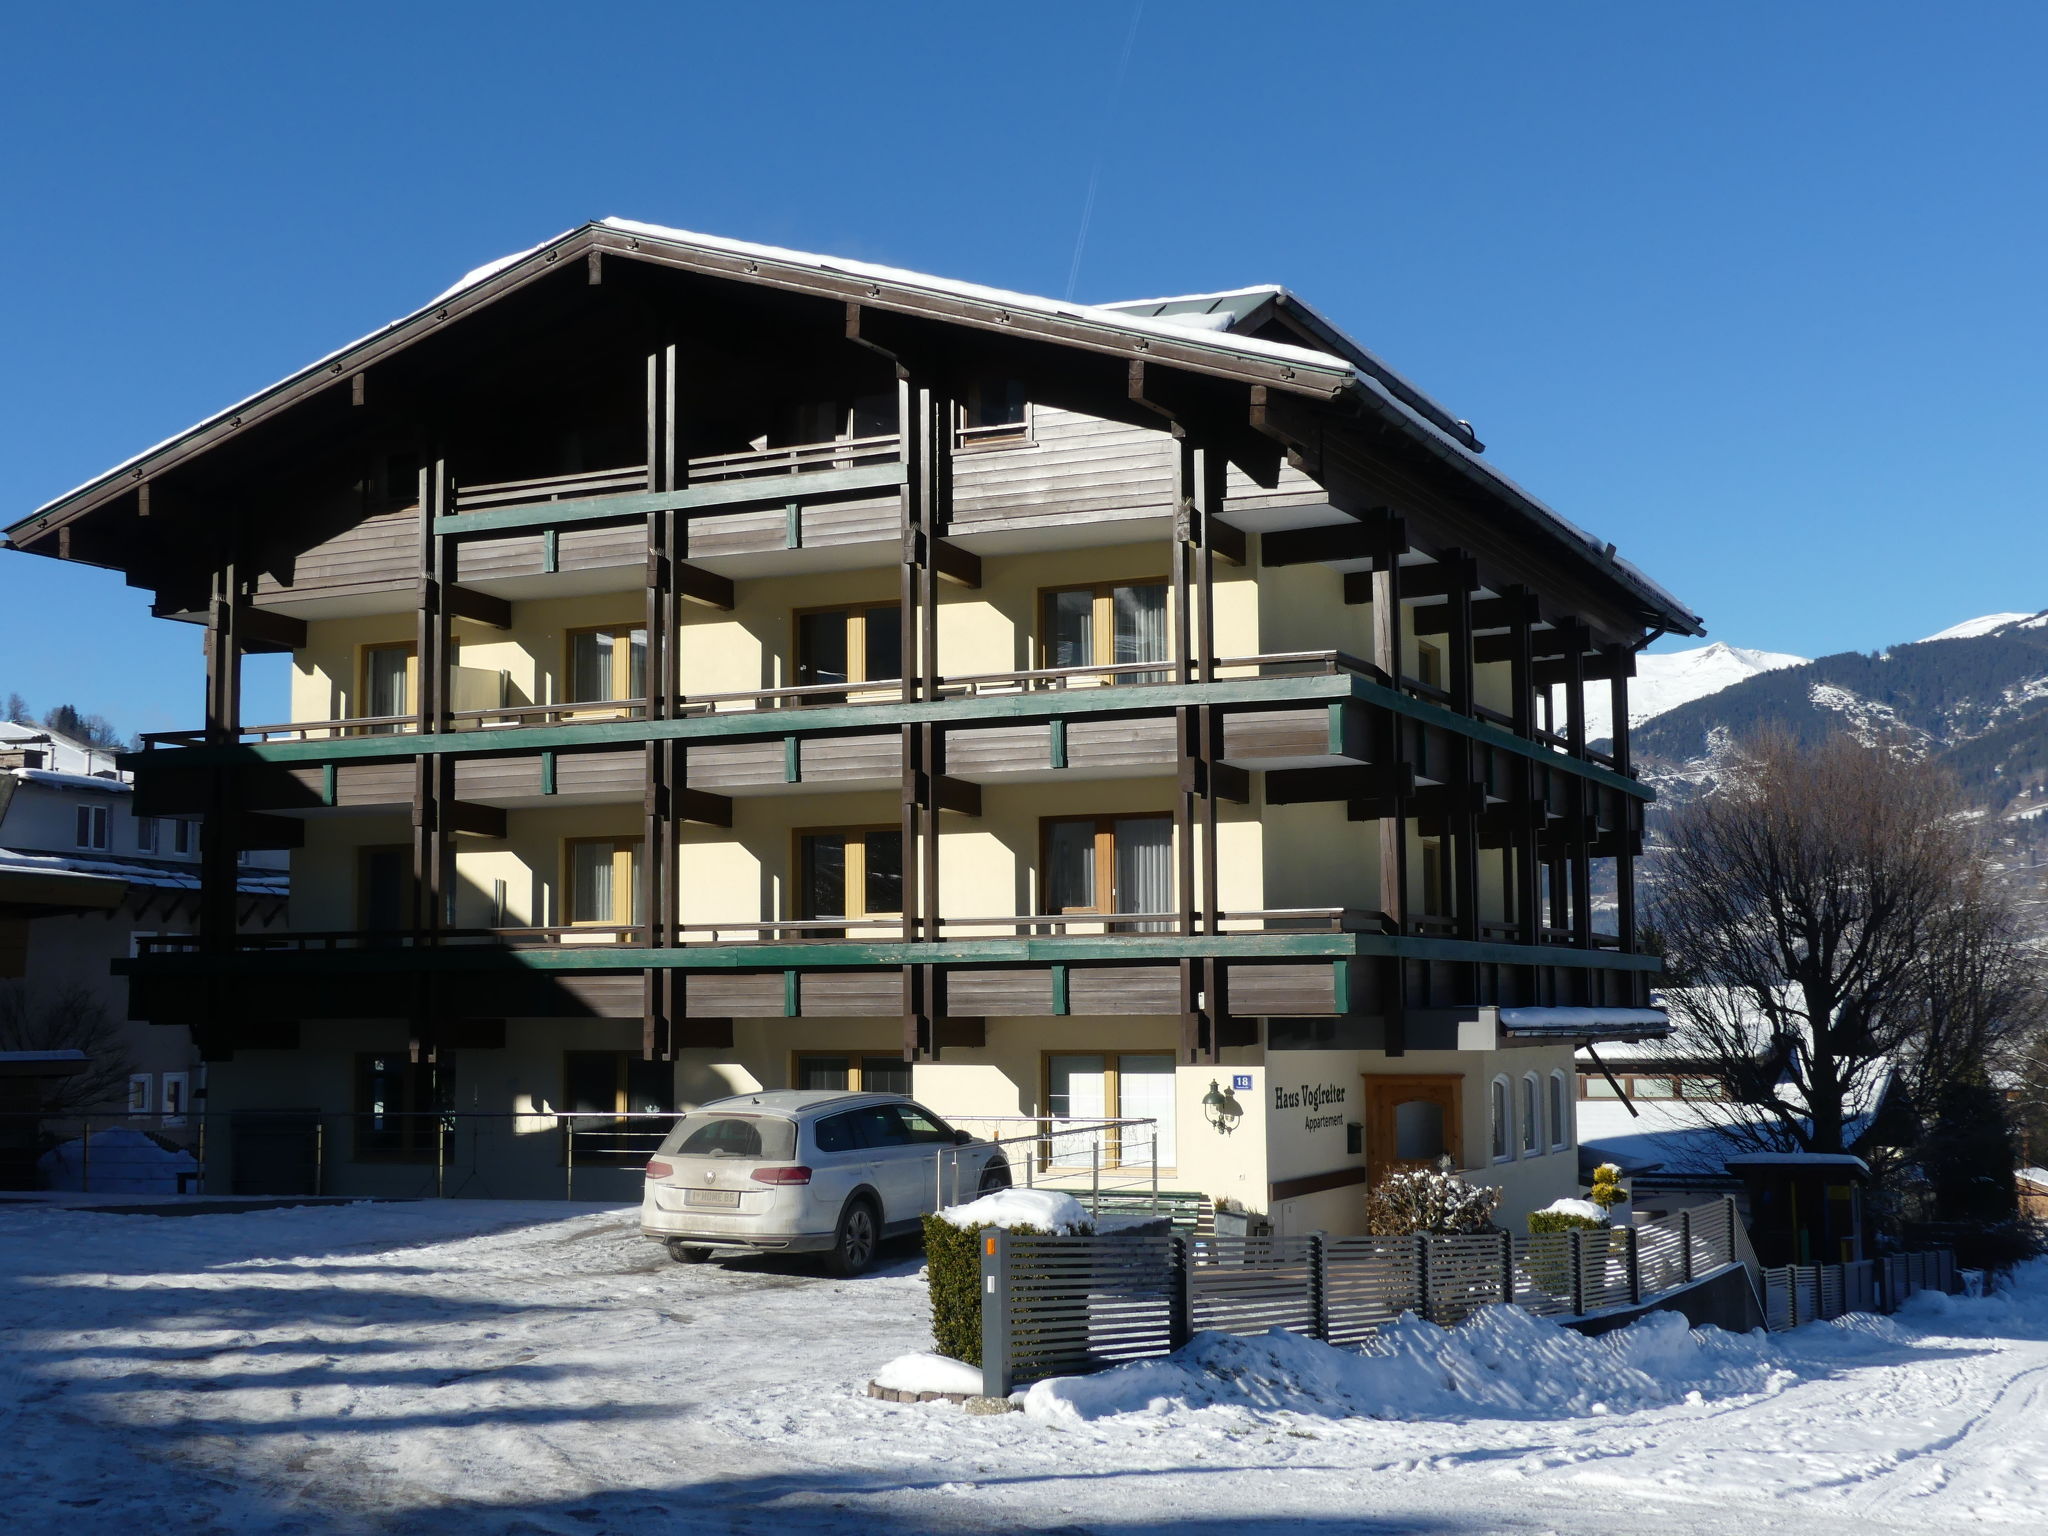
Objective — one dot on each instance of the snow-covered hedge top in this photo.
(1046, 1209)
(1571, 1207)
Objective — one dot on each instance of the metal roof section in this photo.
(1343, 368)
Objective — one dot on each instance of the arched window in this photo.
(1560, 1112)
(1532, 1117)
(1503, 1122)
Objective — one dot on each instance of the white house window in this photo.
(1560, 1113)
(92, 826)
(176, 1085)
(181, 837)
(1532, 1117)
(1503, 1122)
(145, 834)
(140, 1085)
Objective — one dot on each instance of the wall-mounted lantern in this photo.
(1220, 1107)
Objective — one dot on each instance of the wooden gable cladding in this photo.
(1071, 466)
(373, 553)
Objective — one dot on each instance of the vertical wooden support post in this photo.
(1182, 535)
(1630, 836)
(1621, 663)
(1210, 468)
(1184, 820)
(218, 884)
(1528, 851)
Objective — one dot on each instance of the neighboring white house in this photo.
(82, 878)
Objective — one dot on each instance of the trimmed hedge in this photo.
(1563, 1221)
(952, 1266)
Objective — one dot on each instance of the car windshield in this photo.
(721, 1133)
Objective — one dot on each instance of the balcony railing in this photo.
(752, 463)
(819, 930)
(1125, 675)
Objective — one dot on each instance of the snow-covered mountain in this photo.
(1969, 629)
(1678, 677)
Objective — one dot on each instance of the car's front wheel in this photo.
(853, 1245)
(995, 1175)
(687, 1253)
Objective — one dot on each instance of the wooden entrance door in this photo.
(1410, 1122)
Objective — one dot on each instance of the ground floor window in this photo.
(874, 1072)
(600, 1085)
(1096, 1086)
(400, 1105)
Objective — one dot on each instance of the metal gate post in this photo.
(1635, 1266)
(1422, 1306)
(85, 1160)
(568, 1123)
(1507, 1268)
(1578, 1274)
(1685, 1241)
(1180, 1305)
(1319, 1286)
(319, 1154)
(995, 1312)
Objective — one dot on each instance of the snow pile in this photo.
(1503, 1363)
(928, 1373)
(1045, 1209)
(120, 1162)
(1570, 1207)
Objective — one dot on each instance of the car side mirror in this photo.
(962, 1138)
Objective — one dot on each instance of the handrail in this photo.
(477, 498)
(794, 458)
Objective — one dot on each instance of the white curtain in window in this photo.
(1145, 1091)
(387, 666)
(590, 666)
(591, 875)
(1140, 618)
(1144, 868)
(1079, 1092)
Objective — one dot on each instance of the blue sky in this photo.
(1752, 290)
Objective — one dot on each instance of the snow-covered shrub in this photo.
(1568, 1216)
(952, 1256)
(1430, 1200)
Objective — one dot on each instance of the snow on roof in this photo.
(43, 1056)
(1446, 441)
(1810, 1159)
(1633, 1022)
(56, 780)
(65, 754)
(254, 881)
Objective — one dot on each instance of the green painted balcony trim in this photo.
(719, 493)
(854, 955)
(1333, 689)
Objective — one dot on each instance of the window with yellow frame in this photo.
(850, 1071)
(1104, 623)
(606, 663)
(602, 878)
(849, 872)
(388, 683)
(849, 643)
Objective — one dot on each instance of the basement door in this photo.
(1410, 1122)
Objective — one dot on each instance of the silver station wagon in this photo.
(790, 1171)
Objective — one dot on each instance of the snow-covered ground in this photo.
(482, 1367)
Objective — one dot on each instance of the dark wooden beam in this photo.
(704, 807)
(264, 632)
(960, 796)
(252, 830)
(961, 567)
(698, 585)
(1227, 540)
(1302, 786)
(1222, 781)
(1372, 539)
(465, 818)
(477, 607)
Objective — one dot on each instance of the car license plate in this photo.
(728, 1198)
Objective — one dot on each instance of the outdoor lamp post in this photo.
(1220, 1107)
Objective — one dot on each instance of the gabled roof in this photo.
(1335, 367)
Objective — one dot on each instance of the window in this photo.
(1096, 626)
(996, 410)
(177, 1086)
(1502, 1121)
(400, 1104)
(1433, 865)
(604, 880)
(1532, 1117)
(182, 840)
(1560, 1113)
(597, 1085)
(384, 888)
(878, 1072)
(861, 643)
(872, 1125)
(145, 834)
(1091, 1087)
(92, 826)
(607, 663)
(1653, 1088)
(390, 683)
(1429, 664)
(1701, 1088)
(1109, 864)
(850, 872)
(141, 1093)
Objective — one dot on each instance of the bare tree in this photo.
(69, 1019)
(1833, 923)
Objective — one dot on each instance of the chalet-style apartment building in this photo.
(717, 666)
